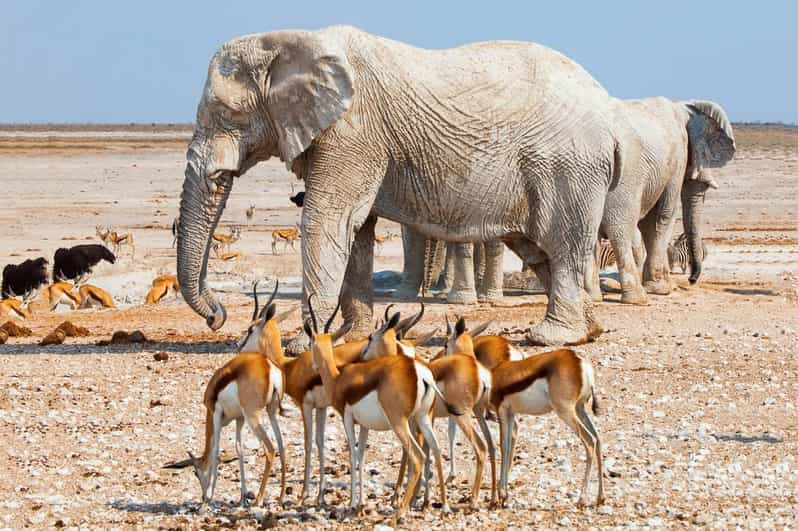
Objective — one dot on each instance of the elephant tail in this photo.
(617, 165)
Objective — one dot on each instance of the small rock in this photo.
(160, 356)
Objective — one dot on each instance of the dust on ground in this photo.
(698, 425)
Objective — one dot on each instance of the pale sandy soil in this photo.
(698, 389)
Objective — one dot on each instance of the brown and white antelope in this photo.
(63, 293)
(250, 214)
(94, 297)
(226, 240)
(240, 390)
(387, 393)
(289, 236)
(303, 384)
(162, 285)
(117, 240)
(464, 383)
(561, 381)
(15, 308)
(489, 350)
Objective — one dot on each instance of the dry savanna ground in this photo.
(699, 424)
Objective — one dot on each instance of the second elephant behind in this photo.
(472, 272)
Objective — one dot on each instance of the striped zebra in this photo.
(603, 255)
(679, 253)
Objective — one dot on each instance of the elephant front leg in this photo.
(632, 291)
(463, 288)
(328, 237)
(357, 301)
(491, 289)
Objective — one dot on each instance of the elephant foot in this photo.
(298, 345)
(464, 296)
(551, 333)
(492, 295)
(596, 295)
(657, 287)
(637, 297)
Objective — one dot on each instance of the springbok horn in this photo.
(271, 298)
(387, 309)
(332, 317)
(255, 295)
(312, 314)
(448, 325)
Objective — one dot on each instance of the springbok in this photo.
(116, 240)
(289, 236)
(63, 293)
(161, 286)
(15, 308)
(303, 385)
(239, 391)
(226, 240)
(387, 393)
(561, 381)
(94, 297)
(250, 214)
(464, 383)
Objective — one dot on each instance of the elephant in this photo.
(680, 142)
(472, 272)
(507, 141)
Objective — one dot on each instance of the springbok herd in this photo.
(383, 383)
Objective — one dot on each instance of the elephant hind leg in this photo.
(621, 238)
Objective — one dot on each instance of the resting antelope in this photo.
(240, 390)
(15, 308)
(161, 286)
(250, 213)
(94, 297)
(561, 381)
(62, 293)
(226, 240)
(465, 385)
(289, 236)
(387, 393)
(303, 385)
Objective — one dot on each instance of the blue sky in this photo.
(145, 61)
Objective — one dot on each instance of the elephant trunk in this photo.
(201, 205)
(693, 194)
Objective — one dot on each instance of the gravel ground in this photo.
(699, 424)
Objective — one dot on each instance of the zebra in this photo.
(679, 253)
(175, 228)
(603, 255)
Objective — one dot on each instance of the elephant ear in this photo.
(310, 87)
(711, 136)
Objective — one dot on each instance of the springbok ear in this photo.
(423, 339)
(311, 84)
(480, 328)
(342, 331)
(460, 327)
(393, 321)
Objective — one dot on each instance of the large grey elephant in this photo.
(472, 271)
(494, 140)
(680, 142)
